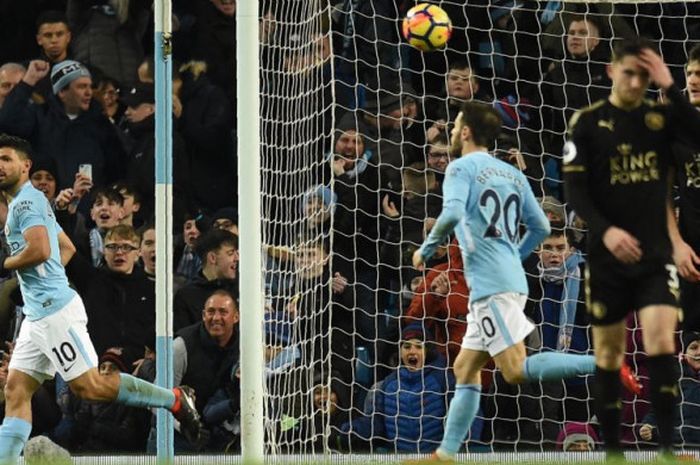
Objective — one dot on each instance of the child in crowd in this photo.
(407, 410)
(577, 437)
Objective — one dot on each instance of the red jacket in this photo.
(446, 317)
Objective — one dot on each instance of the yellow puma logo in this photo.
(671, 389)
(617, 405)
(609, 125)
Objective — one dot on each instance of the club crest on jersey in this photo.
(654, 120)
(569, 152)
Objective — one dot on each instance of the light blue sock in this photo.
(14, 433)
(136, 392)
(552, 366)
(460, 415)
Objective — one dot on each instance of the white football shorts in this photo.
(496, 323)
(58, 343)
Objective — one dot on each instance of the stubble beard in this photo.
(9, 183)
(455, 149)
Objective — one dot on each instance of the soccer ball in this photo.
(427, 27)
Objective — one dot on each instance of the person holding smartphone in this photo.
(69, 128)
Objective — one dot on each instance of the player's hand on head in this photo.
(657, 69)
(624, 246)
(418, 261)
(686, 260)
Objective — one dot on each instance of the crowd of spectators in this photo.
(359, 345)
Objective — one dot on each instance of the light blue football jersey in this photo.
(485, 201)
(44, 287)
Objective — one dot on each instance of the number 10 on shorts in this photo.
(66, 355)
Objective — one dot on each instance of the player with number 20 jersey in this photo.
(488, 199)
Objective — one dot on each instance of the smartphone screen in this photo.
(86, 170)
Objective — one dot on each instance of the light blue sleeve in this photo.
(535, 221)
(28, 214)
(455, 194)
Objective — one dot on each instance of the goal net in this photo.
(355, 141)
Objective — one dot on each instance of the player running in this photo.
(53, 337)
(485, 201)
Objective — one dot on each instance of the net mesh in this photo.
(355, 136)
(295, 126)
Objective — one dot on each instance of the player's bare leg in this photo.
(17, 424)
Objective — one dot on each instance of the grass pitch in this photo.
(544, 458)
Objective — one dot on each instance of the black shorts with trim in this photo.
(614, 289)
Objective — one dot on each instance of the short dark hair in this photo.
(694, 54)
(577, 17)
(483, 120)
(19, 145)
(102, 80)
(634, 47)
(193, 214)
(459, 64)
(213, 240)
(129, 188)
(108, 193)
(559, 229)
(51, 17)
(146, 227)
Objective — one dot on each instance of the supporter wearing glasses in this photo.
(119, 298)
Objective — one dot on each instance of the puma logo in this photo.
(671, 389)
(609, 125)
(617, 405)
